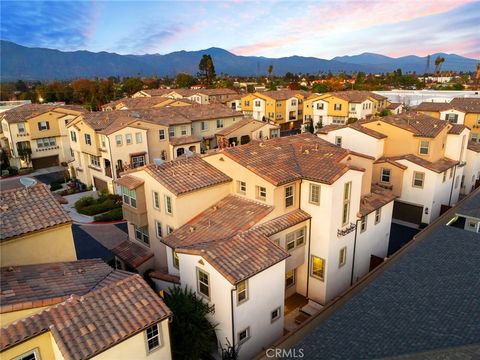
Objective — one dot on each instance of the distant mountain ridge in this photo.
(20, 62)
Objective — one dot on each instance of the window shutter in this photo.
(48, 125)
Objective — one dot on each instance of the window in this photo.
(295, 239)
(320, 106)
(168, 204)
(337, 107)
(353, 107)
(243, 336)
(338, 120)
(203, 283)
(138, 138)
(95, 161)
(88, 139)
(171, 132)
(175, 259)
(138, 161)
(73, 136)
(169, 229)
(141, 234)
(279, 104)
(347, 190)
(118, 140)
(45, 142)
(183, 130)
(30, 355)
(204, 125)
(275, 314)
(128, 139)
(242, 292)
(289, 278)
(453, 118)
(247, 103)
(418, 178)
(161, 134)
(257, 103)
(153, 338)
(290, 241)
(378, 215)
(317, 267)
(451, 172)
(21, 128)
(293, 103)
(363, 224)
(288, 196)
(338, 141)
(156, 200)
(342, 257)
(314, 197)
(423, 150)
(241, 187)
(103, 140)
(158, 229)
(456, 181)
(43, 126)
(129, 196)
(444, 176)
(219, 123)
(385, 176)
(261, 192)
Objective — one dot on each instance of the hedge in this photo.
(114, 214)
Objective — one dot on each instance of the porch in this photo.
(297, 309)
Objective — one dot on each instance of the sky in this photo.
(322, 28)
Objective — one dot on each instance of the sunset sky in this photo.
(322, 29)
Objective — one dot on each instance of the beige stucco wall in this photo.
(43, 344)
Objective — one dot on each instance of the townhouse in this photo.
(200, 96)
(245, 130)
(107, 143)
(464, 111)
(257, 230)
(339, 107)
(36, 135)
(417, 157)
(145, 103)
(284, 107)
(80, 310)
(35, 229)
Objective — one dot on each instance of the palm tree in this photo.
(270, 70)
(438, 63)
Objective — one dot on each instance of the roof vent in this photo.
(434, 125)
(261, 144)
(10, 268)
(191, 229)
(4, 207)
(306, 151)
(215, 207)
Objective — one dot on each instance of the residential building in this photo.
(256, 230)
(417, 157)
(284, 107)
(80, 310)
(36, 135)
(145, 103)
(200, 96)
(471, 174)
(245, 130)
(423, 301)
(395, 108)
(35, 229)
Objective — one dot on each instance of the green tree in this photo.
(184, 80)
(192, 335)
(250, 88)
(270, 70)
(320, 88)
(207, 69)
(132, 85)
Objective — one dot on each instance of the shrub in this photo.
(5, 172)
(55, 186)
(24, 171)
(12, 170)
(84, 202)
(112, 215)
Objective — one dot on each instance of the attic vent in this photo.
(191, 229)
(215, 207)
(434, 125)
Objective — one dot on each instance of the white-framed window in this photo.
(418, 179)
(129, 196)
(289, 196)
(241, 187)
(95, 161)
(314, 196)
(247, 103)
(279, 115)
(347, 192)
(342, 256)
(276, 314)
(175, 259)
(103, 141)
(219, 123)
(257, 103)
(353, 107)
(338, 120)
(293, 103)
(141, 234)
(168, 204)
(128, 139)
(204, 126)
(363, 224)
(320, 106)
(242, 292)
(161, 134)
(118, 140)
(203, 282)
(183, 130)
(261, 192)
(46, 142)
(29, 355)
(138, 161)
(88, 139)
(156, 200)
(295, 239)
(317, 269)
(171, 132)
(158, 229)
(152, 335)
(138, 137)
(385, 175)
(451, 172)
(169, 229)
(73, 136)
(453, 118)
(243, 335)
(21, 128)
(337, 107)
(290, 278)
(423, 148)
(338, 141)
(43, 125)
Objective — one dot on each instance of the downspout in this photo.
(354, 249)
(308, 260)
(233, 317)
(451, 189)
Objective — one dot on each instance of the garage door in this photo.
(407, 212)
(100, 184)
(40, 163)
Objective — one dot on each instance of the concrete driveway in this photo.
(45, 176)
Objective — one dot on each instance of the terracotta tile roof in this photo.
(283, 94)
(457, 129)
(353, 96)
(474, 146)
(377, 96)
(415, 122)
(217, 92)
(438, 166)
(85, 326)
(468, 105)
(27, 111)
(286, 159)
(355, 126)
(433, 106)
(185, 174)
(22, 212)
(30, 286)
(132, 253)
(281, 223)
(145, 102)
(130, 182)
(157, 92)
(159, 275)
(391, 161)
(207, 112)
(225, 219)
(393, 106)
(241, 123)
(182, 140)
(375, 200)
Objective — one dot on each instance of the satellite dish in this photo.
(27, 182)
(158, 161)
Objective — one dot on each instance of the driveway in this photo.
(45, 176)
(399, 236)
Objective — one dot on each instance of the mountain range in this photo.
(20, 62)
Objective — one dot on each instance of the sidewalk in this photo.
(70, 207)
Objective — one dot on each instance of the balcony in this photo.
(108, 172)
(135, 216)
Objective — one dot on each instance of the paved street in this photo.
(45, 176)
(399, 236)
